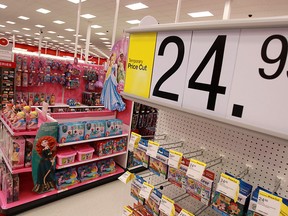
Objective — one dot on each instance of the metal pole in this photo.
(40, 43)
(115, 22)
(13, 46)
(87, 42)
(77, 28)
(178, 11)
(81, 53)
(227, 10)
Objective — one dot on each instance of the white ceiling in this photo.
(163, 10)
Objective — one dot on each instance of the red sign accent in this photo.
(7, 64)
(4, 42)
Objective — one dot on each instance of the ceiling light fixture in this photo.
(39, 26)
(200, 14)
(82, 39)
(59, 22)
(10, 22)
(27, 35)
(104, 38)
(37, 33)
(48, 38)
(133, 21)
(76, 1)
(67, 40)
(100, 33)
(69, 29)
(55, 41)
(106, 42)
(23, 18)
(15, 31)
(88, 16)
(43, 11)
(96, 26)
(136, 6)
(60, 36)
(27, 29)
(78, 35)
(2, 26)
(2, 6)
(51, 32)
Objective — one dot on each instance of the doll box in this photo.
(106, 166)
(94, 129)
(119, 145)
(28, 151)
(66, 156)
(70, 132)
(17, 152)
(66, 177)
(84, 152)
(88, 171)
(113, 127)
(104, 147)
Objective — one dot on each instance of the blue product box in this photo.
(136, 187)
(88, 171)
(140, 156)
(153, 203)
(66, 177)
(159, 165)
(94, 129)
(106, 166)
(113, 127)
(71, 131)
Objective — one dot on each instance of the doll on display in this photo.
(52, 100)
(110, 98)
(121, 72)
(15, 154)
(20, 121)
(46, 149)
(33, 120)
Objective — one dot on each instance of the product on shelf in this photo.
(28, 150)
(32, 122)
(153, 203)
(91, 98)
(65, 155)
(7, 187)
(119, 144)
(17, 152)
(140, 156)
(104, 147)
(15, 188)
(136, 186)
(66, 177)
(113, 127)
(84, 152)
(106, 166)
(94, 129)
(88, 171)
(71, 131)
(3, 170)
(159, 165)
(178, 176)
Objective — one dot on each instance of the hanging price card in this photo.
(133, 142)
(167, 206)
(284, 210)
(185, 213)
(174, 159)
(196, 169)
(268, 204)
(229, 186)
(126, 177)
(146, 190)
(127, 211)
(152, 149)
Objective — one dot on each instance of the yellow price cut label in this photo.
(146, 190)
(127, 211)
(126, 177)
(175, 159)
(229, 186)
(284, 210)
(152, 148)
(196, 169)
(167, 206)
(185, 213)
(133, 142)
(268, 204)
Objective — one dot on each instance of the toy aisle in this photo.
(179, 119)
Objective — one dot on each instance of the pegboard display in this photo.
(266, 155)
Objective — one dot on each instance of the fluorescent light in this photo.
(69, 29)
(136, 6)
(8, 32)
(133, 21)
(100, 33)
(15, 31)
(2, 6)
(42, 10)
(37, 33)
(108, 45)
(28, 38)
(20, 36)
(27, 35)
(27, 29)
(2, 33)
(78, 35)
(2, 26)
(39, 26)
(47, 38)
(200, 14)
(23, 18)
(58, 22)
(10, 22)
(72, 43)
(96, 26)
(51, 32)
(36, 39)
(61, 43)
(55, 41)
(60, 36)
(67, 40)
(76, 1)
(104, 38)
(82, 39)
(88, 16)
(106, 42)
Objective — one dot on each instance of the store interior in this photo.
(79, 137)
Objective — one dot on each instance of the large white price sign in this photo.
(268, 204)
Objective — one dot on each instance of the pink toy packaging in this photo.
(94, 129)
(84, 152)
(2, 173)
(88, 171)
(15, 188)
(113, 127)
(7, 187)
(104, 147)
(17, 152)
(120, 145)
(70, 132)
(106, 166)
(32, 122)
(66, 177)
(28, 151)
(66, 155)
(19, 122)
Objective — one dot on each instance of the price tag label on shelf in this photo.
(167, 206)
(126, 177)
(185, 213)
(175, 159)
(146, 190)
(127, 211)
(196, 169)
(152, 148)
(268, 204)
(284, 210)
(133, 142)
(229, 186)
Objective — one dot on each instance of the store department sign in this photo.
(5, 49)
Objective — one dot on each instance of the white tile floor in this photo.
(104, 200)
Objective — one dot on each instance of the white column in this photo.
(81, 53)
(13, 46)
(115, 22)
(77, 28)
(46, 47)
(40, 43)
(227, 10)
(178, 11)
(87, 42)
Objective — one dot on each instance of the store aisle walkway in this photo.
(105, 200)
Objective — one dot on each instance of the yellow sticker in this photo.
(134, 140)
(153, 143)
(148, 185)
(127, 211)
(139, 64)
(168, 199)
(175, 159)
(284, 210)
(185, 213)
(198, 162)
(231, 186)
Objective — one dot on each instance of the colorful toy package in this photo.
(87, 172)
(119, 144)
(106, 166)
(201, 190)
(136, 186)
(254, 202)
(226, 206)
(104, 147)
(71, 131)
(66, 177)
(17, 152)
(178, 176)
(159, 165)
(94, 129)
(153, 203)
(28, 151)
(140, 156)
(113, 127)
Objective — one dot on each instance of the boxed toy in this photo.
(17, 152)
(153, 203)
(104, 147)
(120, 144)
(19, 122)
(136, 186)
(65, 155)
(71, 131)
(66, 177)
(87, 172)
(84, 152)
(226, 205)
(113, 127)
(140, 156)
(94, 129)
(2, 173)
(201, 190)
(28, 151)
(178, 176)
(159, 165)
(7, 187)
(15, 188)
(106, 166)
